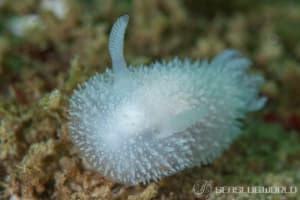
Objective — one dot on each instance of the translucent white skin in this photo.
(136, 124)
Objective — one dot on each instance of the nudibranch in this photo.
(137, 124)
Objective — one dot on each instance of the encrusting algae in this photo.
(38, 73)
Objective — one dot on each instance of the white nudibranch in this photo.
(136, 124)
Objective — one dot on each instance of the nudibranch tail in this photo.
(115, 45)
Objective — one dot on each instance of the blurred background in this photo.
(48, 46)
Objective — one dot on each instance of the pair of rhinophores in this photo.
(136, 124)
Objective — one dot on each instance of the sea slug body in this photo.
(136, 124)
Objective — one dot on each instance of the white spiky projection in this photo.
(136, 124)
